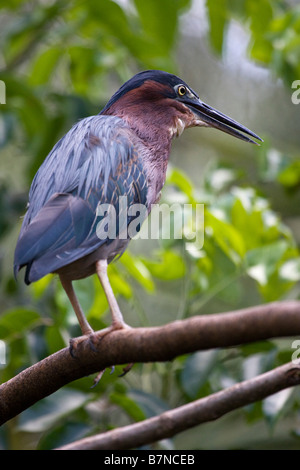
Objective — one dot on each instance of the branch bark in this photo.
(200, 411)
(164, 343)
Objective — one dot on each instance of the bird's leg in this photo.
(84, 325)
(117, 317)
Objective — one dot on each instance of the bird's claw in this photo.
(99, 376)
(93, 339)
(126, 369)
(74, 343)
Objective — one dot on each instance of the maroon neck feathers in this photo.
(152, 116)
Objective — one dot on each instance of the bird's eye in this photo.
(181, 90)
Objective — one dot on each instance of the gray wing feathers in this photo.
(76, 163)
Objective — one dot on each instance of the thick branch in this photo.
(206, 409)
(147, 345)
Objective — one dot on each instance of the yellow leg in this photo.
(117, 317)
(84, 325)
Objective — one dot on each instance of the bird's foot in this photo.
(97, 336)
(75, 342)
(94, 341)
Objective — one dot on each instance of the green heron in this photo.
(123, 151)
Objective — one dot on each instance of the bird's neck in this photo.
(154, 134)
(154, 148)
(152, 130)
(149, 120)
(156, 138)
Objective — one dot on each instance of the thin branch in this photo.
(187, 416)
(164, 343)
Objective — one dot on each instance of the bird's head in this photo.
(159, 100)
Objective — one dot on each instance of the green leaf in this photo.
(65, 433)
(114, 21)
(248, 223)
(290, 176)
(29, 30)
(44, 66)
(257, 363)
(261, 14)
(170, 267)
(182, 181)
(17, 321)
(148, 402)
(228, 238)
(44, 414)
(290, 270)
(258, 347)
(38, 288)
(196, 371)
(85, 291)
(263, 261)
(128, 405)
(261, 50)
(55, 339)
(217, 14)
(159, 20)
(27, 106)
(82, 67)
(138, 270)
(118, 283)
(274, 405)
(11, 5)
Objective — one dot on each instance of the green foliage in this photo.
(57, 62)
(14, 323)
(217, 14)
(243, 231)
(73, 46)
(274, 28)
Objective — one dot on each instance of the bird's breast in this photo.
(156, 181)
(154, 153)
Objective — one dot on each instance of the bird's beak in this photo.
(211, 117)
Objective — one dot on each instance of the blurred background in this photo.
(61, 61)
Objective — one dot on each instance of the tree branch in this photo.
(200, 411)
(147, 345)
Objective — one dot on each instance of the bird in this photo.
(122, 152)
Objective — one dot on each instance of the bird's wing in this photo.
(95, 163)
